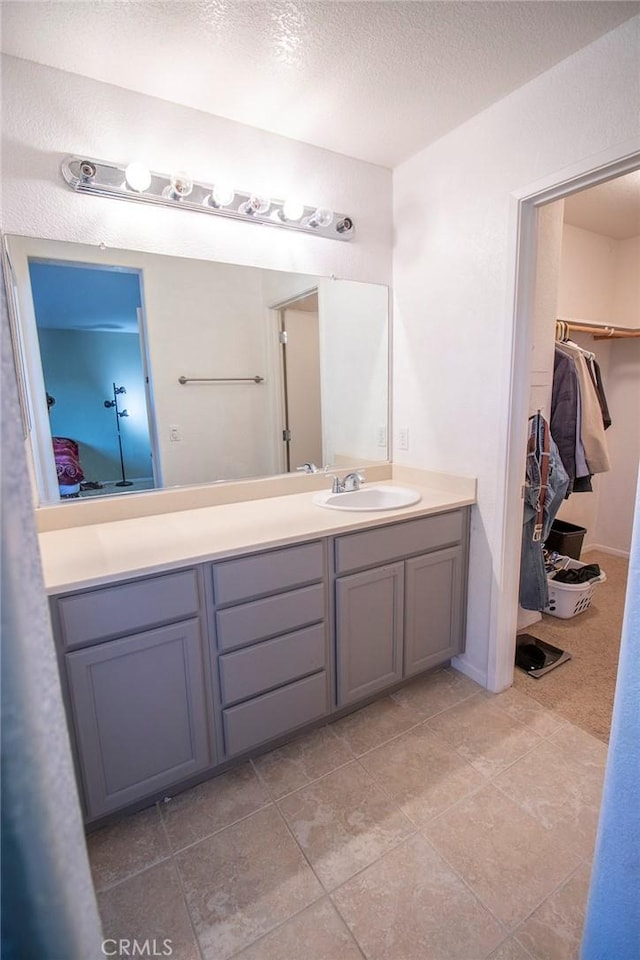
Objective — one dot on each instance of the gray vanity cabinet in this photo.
(433, 609)
(396, 619)
(271, 642)
(170, 676)
(369, 619)
(137, 699)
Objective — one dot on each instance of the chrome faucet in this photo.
(350, 482)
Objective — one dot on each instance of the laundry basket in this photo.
(567, 600)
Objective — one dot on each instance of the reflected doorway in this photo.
(299, 337)
(90, 330)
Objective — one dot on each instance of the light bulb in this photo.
(180, 187)
(222, 195)
(291, 210)
(138, 176)
(321, 218)
(254, 204)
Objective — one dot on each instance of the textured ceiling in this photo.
(612, 208)
(373, 80)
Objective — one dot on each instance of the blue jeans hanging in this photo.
(534, 589)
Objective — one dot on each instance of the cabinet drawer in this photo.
(128, 608)
(260, 619)
(385, 544)
(269, 572)
(248, 672)
(275, 713)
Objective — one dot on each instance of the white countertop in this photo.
(100, 553)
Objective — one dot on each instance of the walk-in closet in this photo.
(588, 294)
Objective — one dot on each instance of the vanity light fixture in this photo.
(322, 217)
(255, 204)
(134, 181)
(292, 210)
(181, 186)
(136, 175)
(221, 195)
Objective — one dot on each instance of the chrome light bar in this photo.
(135, 182)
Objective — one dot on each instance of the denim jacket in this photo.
(534, 589)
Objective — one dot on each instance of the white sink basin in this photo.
(381, 497)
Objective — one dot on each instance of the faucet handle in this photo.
(308, 468)
(337, 485)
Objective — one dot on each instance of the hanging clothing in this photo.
(564, 410)
(591, 426)
(594, 369)
(579, 413)
(545, 489)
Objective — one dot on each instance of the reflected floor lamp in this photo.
(119, 413)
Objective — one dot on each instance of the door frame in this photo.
(279, 394)
(28, 362)
(612, 163)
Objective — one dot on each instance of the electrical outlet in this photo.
(403, 438)
(381, 436)
(175, 434)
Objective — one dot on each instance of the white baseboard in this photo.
(469, 671)
(612, 550)
(527, 617)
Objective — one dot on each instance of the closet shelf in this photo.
(599, 331)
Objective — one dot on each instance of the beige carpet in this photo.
(582, 689)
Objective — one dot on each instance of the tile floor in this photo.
(440, 823)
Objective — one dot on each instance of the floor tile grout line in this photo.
(277, 926)
(489, 777)
(511, 930)
(419, 826)
(555, 890)
(395, 845)
(524, 722)
(259, 776)
(359, 946)
(130, 876)
(227, 826)
(282, 923)
(182, 890)
(422, 720)
(302, 851)
(556, 747)
(290, 793)
(329, 890)
(503, 926)
(456, 803)
(496, 776)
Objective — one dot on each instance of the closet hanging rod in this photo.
(599, 331)
(256, 379)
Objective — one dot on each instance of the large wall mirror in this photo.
(141, 371)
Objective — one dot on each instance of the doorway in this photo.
(89, 325)
(299, 338)
(587, 278)
(525, 207)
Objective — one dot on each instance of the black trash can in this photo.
(566, 538)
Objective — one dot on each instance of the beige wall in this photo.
(626, 295)
(600, 282)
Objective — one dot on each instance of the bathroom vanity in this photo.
(173, 667)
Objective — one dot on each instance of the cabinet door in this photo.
(139, 713)
(369, 631)
(433, 615)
